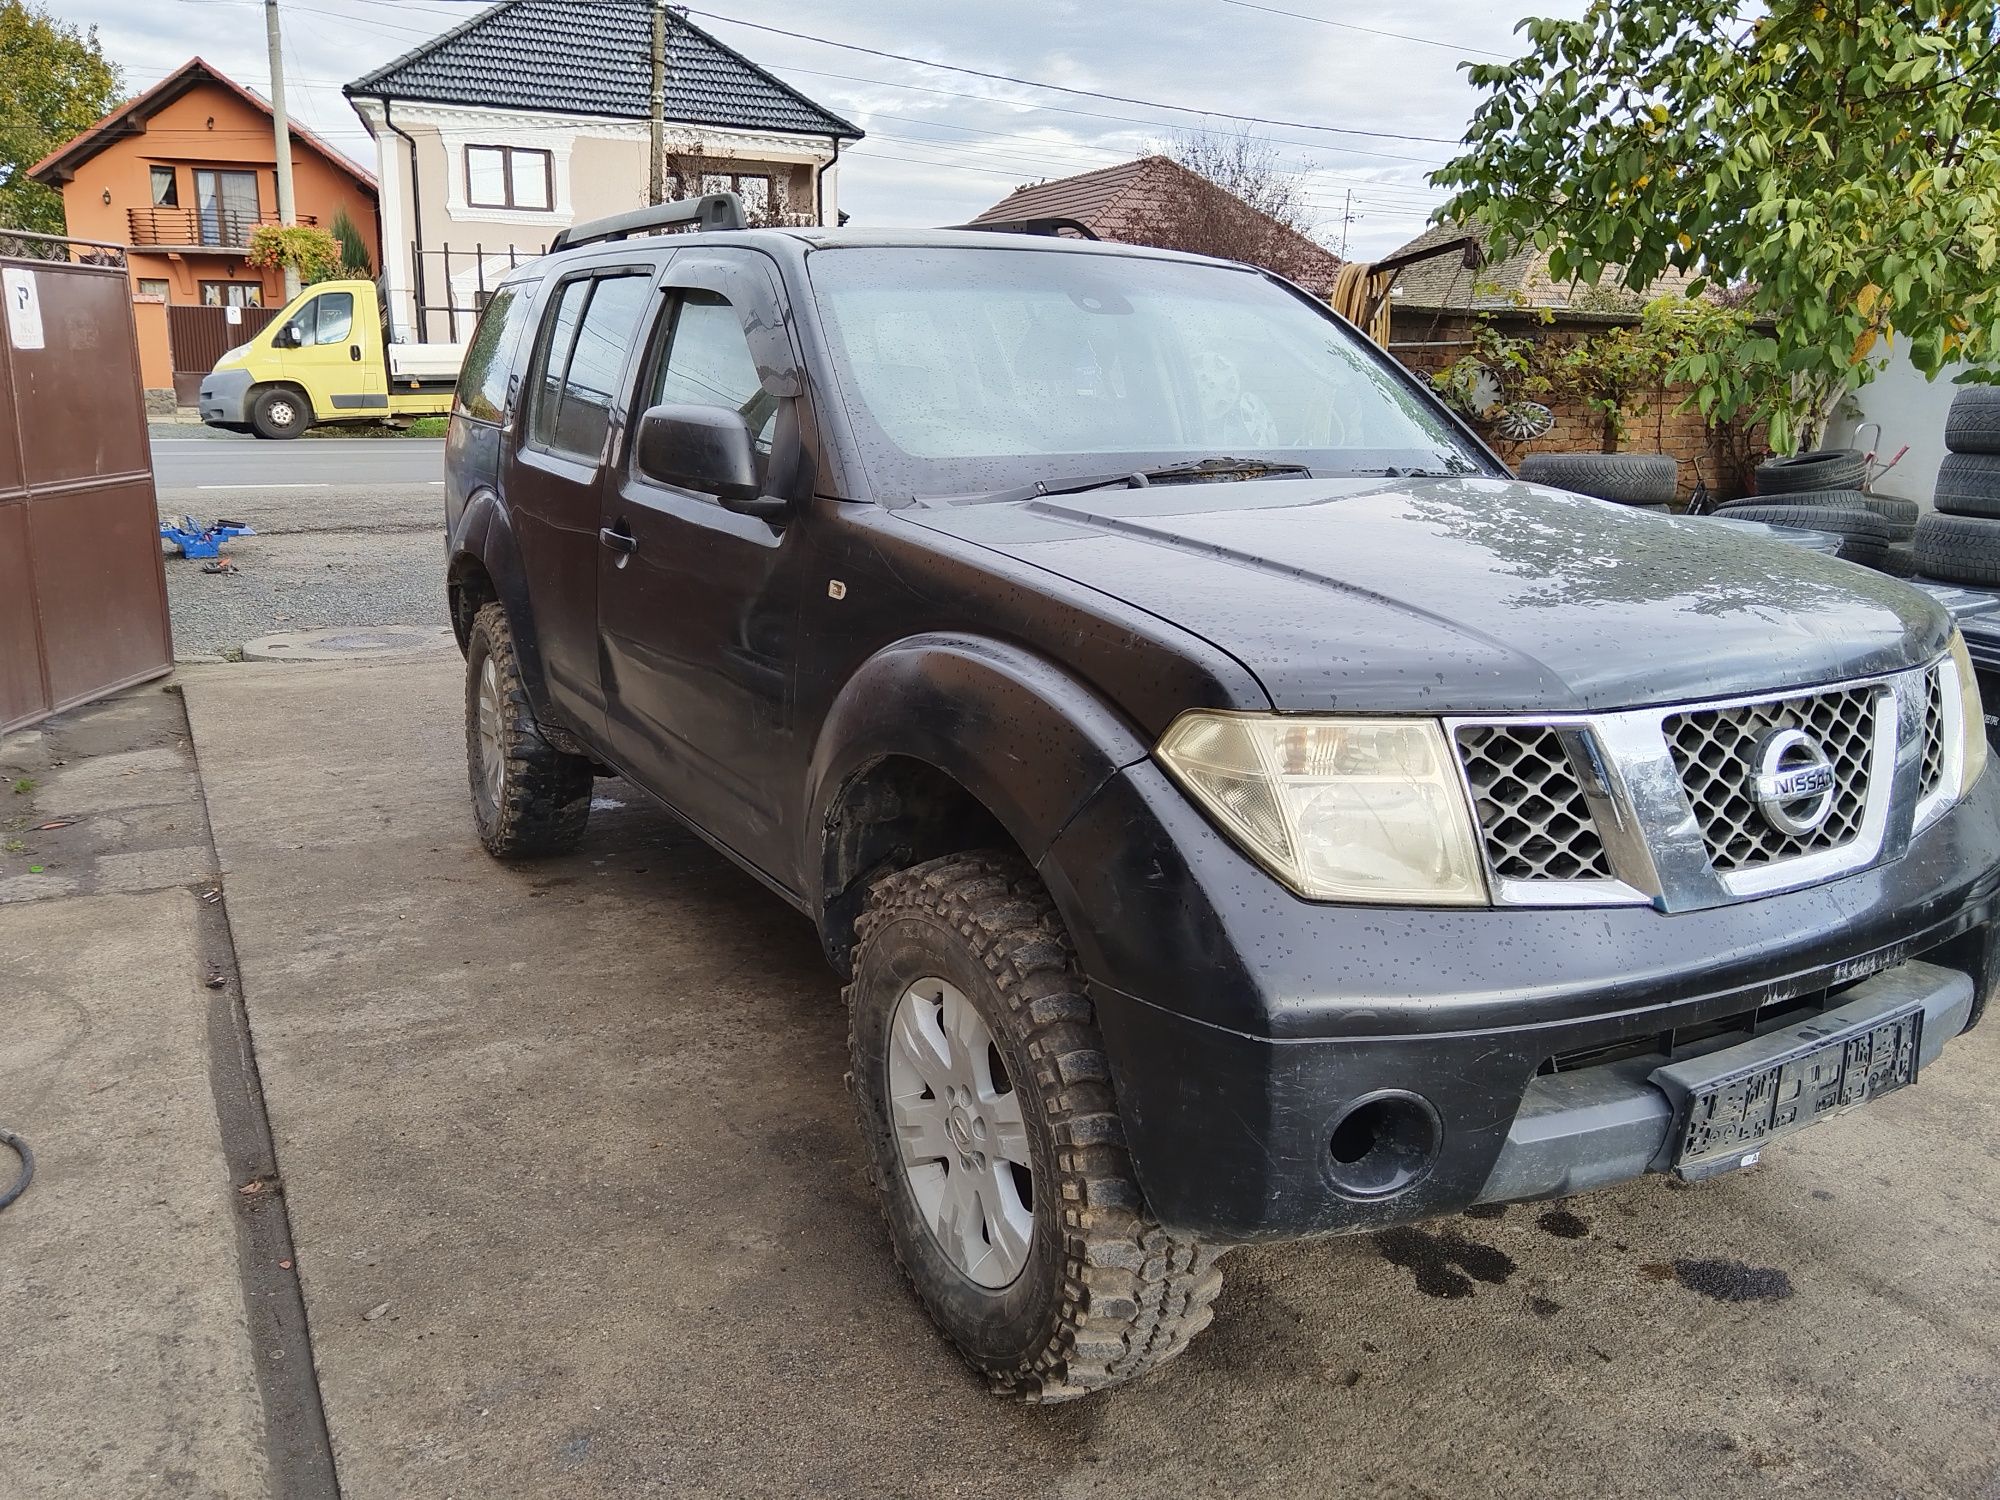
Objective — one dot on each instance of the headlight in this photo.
(1972, 717)
(1338, 809)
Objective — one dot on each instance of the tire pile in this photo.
(1960, 542)
(1822, 492)
(1644, 481)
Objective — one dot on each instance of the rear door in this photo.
(323, 346)
(575, 383)
(698, 605)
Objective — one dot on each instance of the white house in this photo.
(534, 115)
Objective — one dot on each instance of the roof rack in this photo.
(1049, 227)
(710, 211)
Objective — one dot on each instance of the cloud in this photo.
(941, 145)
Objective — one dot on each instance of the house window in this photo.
(231, 294)
(754, 188)
(153, 287)
(166, 188)
(226, 203)
(509, 177)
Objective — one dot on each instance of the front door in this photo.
(320, 347)
(697, 605)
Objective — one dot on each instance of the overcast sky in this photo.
(943, 145)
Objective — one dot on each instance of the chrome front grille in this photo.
(1716, 751)
(1532, 813)
(1933, 729)
(1659, 805)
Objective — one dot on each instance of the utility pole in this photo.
(282, 130)
(656, 178)
(1346, 218)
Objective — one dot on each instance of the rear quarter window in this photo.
(489, 358)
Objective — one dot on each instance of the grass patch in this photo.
(23, 785)
(423, 427)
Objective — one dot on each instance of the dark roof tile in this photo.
(590, 57)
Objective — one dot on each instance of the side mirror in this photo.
(705, 448)
(288, 338)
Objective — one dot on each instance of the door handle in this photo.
(616, 540)
(354, 353)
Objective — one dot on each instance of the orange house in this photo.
(181, 175)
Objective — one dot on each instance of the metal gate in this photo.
(198, 336)
(83, 596)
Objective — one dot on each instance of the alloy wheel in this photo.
(961, 1140)
(492, 746)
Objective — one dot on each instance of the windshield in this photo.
(967, 371)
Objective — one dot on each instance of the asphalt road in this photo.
(347, 533)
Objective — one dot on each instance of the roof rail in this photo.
(710, 211)
(1049, 227)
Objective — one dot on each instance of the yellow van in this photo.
(324, 359)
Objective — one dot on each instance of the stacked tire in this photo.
(1960, 542)
(1821, 491)
(1644, 481)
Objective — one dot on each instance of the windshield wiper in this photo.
(1196, 471)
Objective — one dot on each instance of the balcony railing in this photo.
(199, 228)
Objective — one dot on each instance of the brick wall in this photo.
(1426, 342)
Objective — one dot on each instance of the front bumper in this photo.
(1243, 1024)
(225, 398)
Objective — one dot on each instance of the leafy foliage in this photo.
(355, 262)
(54, 82)
(1835, 161)
(1607, 372)
(312, 251)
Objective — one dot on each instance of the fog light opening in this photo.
(1382, 1144)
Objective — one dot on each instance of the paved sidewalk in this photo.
(580, 1213)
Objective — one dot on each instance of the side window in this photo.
(708, 363)
(327, 319)
(489, 358)
(595, 322)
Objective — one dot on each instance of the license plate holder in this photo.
(1724, 1121)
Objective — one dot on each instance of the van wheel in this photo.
(279, 412)
(528, 797)
(993, 1137)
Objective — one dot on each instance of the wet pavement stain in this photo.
(1733, 1280)
(1444, 1264)
(1563, 1224)
(1487, 1211)
(1543, 1307)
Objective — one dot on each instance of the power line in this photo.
(1401, 36)
(1063, 88)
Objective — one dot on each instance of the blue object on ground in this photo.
(196, 540)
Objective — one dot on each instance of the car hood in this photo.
(1465, 595)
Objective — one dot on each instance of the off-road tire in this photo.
(1973, 425)
(544, 795)
(278, 411)
(1626, 478)
(1825, 469)
(1107, 1294)
(1968, 484)
(1959, 549)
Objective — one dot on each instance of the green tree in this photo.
(355, 263)
(54, 81)
(1837, 160)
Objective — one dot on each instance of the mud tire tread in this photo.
(1134, 1294)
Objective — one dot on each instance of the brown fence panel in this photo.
(83, 598)
(199, 336)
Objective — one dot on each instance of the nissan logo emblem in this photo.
(1794, 784)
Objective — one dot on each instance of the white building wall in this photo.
(1911, 410)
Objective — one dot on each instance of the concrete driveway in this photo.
(578, 1212)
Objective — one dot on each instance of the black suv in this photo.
(1239, 808)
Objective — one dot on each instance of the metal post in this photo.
(656, 176)
(282, 133)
